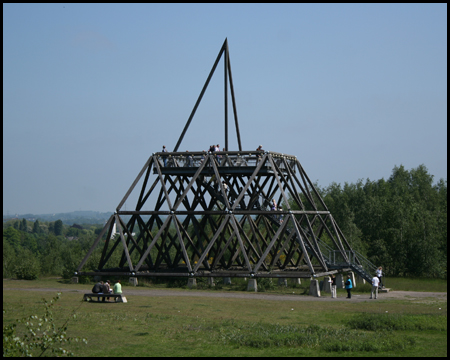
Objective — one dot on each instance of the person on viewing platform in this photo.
(273, 205)
(218, 157)
(164, 157)
(259, 155)
(203, 157)
(280, 217)
(189, 159)
(225, 187)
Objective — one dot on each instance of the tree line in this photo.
(32, 249)
(399, 223)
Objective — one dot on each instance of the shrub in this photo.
(41, 334)
(265, 284)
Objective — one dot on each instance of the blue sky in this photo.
(91, 90)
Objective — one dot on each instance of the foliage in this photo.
(265, 284)
(27, 266)
(376, 322)
(41, 335)
(260, 335)
(27, 255)
(58, 227)
(400, 224)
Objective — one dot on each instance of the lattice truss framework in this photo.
(212, 217)
(211, 214)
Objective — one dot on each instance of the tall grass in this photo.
(259, 335)
(375, 322)
(416, 284)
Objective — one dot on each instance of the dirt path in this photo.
(403, 295)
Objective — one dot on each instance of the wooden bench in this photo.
(116, 297)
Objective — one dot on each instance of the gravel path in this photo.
(403, 295)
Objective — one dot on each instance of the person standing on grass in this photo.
(348, 286)
(380, 274)
(333, 287)
(375, 282)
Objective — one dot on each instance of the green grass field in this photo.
(196, 326)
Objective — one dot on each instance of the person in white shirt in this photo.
(375, 283)
(333, 286)
(380, 274)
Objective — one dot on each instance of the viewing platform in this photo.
(227, 162)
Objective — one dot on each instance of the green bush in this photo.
(27, 267)
(265, 284)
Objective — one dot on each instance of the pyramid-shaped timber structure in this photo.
(212, 214)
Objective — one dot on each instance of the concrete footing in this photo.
(210, 281)
(340, 281)
(282, 282)
(296, 281)
(133, 281)
(227, 281)
(314, 288)
(252, 285)
(359, 278)
(192, 283)
(74, 280)
(326, 288)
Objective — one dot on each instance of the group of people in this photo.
(212, 149)
(376, 281)
(215, 148)
(105, 288)
(189, 158)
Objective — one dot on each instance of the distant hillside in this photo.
(79, 217)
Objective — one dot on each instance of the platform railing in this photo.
(224, 159)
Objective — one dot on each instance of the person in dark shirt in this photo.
(98, 288)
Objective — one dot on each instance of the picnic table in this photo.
(117, 297)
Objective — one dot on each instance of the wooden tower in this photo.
(212, 215)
